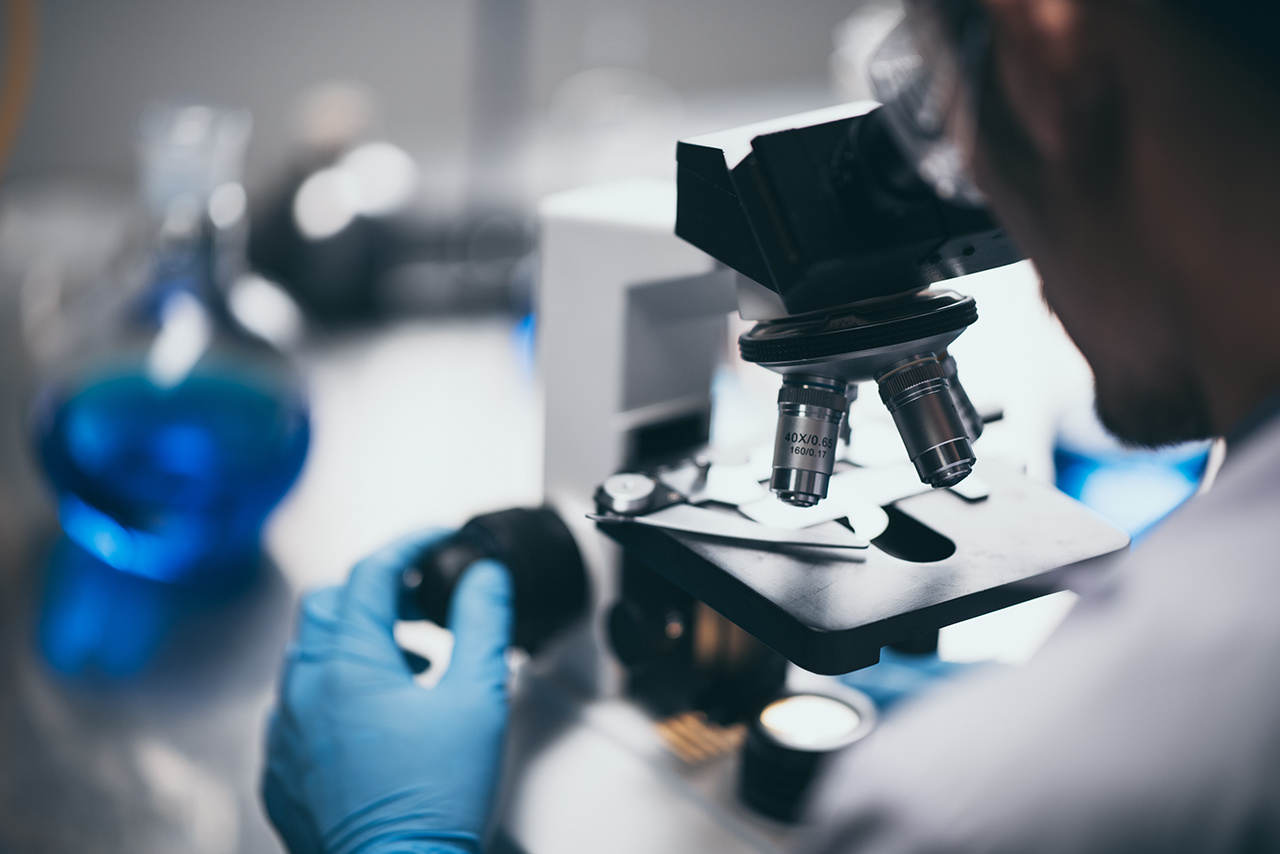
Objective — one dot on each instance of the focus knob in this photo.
(548, 577)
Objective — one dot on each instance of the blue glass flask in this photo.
(169, 431)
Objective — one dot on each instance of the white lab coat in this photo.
(1150, 722)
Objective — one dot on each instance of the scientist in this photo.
(1132, 148)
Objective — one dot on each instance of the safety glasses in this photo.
(928, 74)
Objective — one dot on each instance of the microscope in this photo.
(833, 245)
(836, 242)
(727, 580)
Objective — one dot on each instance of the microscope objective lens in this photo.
(918, 393)
(810, 410)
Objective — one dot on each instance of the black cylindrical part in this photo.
(547, 573)
(787, 744)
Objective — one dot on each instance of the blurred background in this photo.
(441, 74)
(361, 266)
(477, 109)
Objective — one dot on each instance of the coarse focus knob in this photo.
(548, 577)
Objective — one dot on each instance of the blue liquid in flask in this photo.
(172, 484)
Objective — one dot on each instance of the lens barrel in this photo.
(810, 410)
(919, 396)
(973, 423)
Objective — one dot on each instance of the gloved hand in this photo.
(361, 758)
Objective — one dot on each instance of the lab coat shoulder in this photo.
(1149, 722)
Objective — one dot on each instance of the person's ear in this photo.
(1054, 77)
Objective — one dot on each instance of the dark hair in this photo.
(1251, 27)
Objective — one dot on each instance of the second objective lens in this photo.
(918, 395)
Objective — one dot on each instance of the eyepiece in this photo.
(918, 395)
(810, 410)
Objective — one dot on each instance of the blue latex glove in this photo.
(362, 759)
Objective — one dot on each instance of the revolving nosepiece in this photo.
(810, 410)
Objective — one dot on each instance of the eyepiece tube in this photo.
(919, 397)
(810, 410)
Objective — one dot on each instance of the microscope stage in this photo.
(943, 559)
